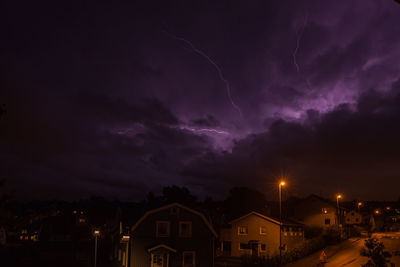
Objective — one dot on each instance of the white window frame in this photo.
(261, 232)
(168, 228)
(189, 252)
(180, 228)
(243, 249)
(247, 232)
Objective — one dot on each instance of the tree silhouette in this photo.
(374, 250)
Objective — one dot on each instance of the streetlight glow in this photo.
(282, 183)
(96, 232)
(339, 196)
(359, 203)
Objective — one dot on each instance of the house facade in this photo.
(315, 211)
(257, 234)
(172, 236)
(353, 217)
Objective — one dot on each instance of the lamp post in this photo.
(359, 204)
(339, 196)
(282, 183)
(125, 239)
(96, 234)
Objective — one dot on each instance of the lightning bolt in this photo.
(207, 130)
(299, 34)
(214, 64)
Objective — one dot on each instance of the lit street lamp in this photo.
(282, 183)
(96, 234)
(125, 239)
(359, 204)
(339, 196)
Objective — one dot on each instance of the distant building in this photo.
(353, 217)
(257, 234)
(173, 235)
(315, 211)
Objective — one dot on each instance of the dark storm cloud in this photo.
(100, 100)
(344, 150)
(208, 120)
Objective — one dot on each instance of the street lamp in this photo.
(338, 196)
(359, 204)
(96, 235)
(125, 239)
(282, 183)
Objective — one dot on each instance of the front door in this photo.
(254, 249)
(157, 260)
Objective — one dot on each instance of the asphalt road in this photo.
(348, 253)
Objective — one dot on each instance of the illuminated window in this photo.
(243, 230)
(263, 247)
(263, 230)
(189, 259)
(185, 229)
(162, 229)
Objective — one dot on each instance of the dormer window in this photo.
(162, 228)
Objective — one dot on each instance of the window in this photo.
(243, 230)
(244, 246)
(348, 219)
(185, 229)
(352, 214)
(162, 229)
(327, 221)
(263, 247)
(157, 260)
(189, 259)
(356, 219)
(263, 230)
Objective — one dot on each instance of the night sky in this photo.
(120, 99)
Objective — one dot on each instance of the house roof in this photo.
(326, 201)
(175, 205)
(285, 222)
(161, 246)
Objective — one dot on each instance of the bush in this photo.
(374, 250)
(312, 232)
(300, 251)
